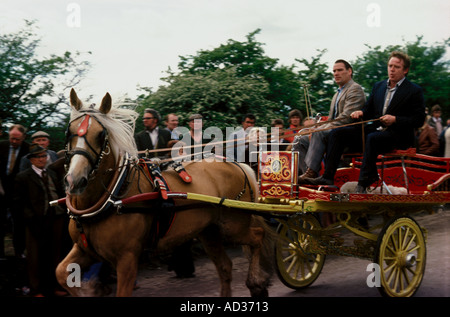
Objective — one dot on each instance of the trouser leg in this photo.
(377, 143)
(301, 145)
(316, 151)
(338, 140)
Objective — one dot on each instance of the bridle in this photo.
(120, 173)
(81, 133)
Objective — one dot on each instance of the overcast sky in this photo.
(133, 42)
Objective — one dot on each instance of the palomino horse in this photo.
(98, 143)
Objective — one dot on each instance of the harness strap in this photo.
(104, 199)
(81, 132)
(246, 183)
(159, 183)
(82, 152)
(81, 231)
(178, 167)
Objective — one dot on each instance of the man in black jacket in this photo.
(11, 152)
(152, 137)
(34, 188)
(397, 107)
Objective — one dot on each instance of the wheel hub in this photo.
(405, 259)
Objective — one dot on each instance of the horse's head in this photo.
(86, 144)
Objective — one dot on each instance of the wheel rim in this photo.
(402, 255)
(297, 265)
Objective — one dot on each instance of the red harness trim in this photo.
(159, 183)
(82, 129)
(140, 197)
(185, 176)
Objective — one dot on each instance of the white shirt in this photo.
(37, 170)
(154, 136)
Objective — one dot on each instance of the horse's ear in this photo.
(106, 104)
(74, 100)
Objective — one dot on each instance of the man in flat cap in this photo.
(34, 188)
(42, 139)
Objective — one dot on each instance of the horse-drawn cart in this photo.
(409, 183)
(378, 224)
(314, 220)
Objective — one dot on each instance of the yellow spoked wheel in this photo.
(296, 263)
(401, 255)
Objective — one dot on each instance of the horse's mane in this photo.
(120, 123)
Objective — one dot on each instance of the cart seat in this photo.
(401, 154)
(395, 154)
(408, 152)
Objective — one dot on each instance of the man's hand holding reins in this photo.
(387, 120)
(356, 114)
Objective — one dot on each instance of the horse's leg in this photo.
(63, 271)
(257, 280)
(212, 242)
(127, 268)
(256, 240)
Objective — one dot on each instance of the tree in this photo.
(235, 78)
(33, 90)
(318, 81)
(221, 96)
(221, 82)
(249, 59)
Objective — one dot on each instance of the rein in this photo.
(304, 131)
(341, 126)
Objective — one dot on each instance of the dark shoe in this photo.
(309, 174)
(360, 189)
(369, 180)
(317, 181)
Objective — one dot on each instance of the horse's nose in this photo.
(75, 186)
(82, 183)
(68, 182)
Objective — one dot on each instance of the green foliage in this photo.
(33, 91)
(319, 83)
(249, 60)
(221, 96)
(229, 81)
(222, 84)
(237, 77)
